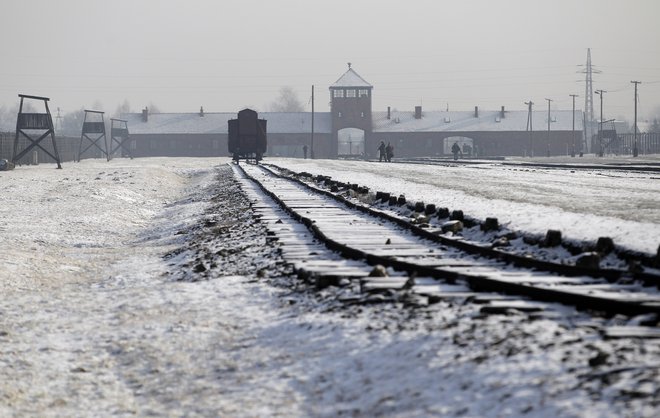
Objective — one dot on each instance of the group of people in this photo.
(385, 152)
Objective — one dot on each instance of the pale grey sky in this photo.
(223, 55)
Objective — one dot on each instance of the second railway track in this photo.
(648, 167)
(325, 226)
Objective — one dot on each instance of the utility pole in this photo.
(311, 154)
(530, 128)
(549, 101)
(573, 150)
(58, 120)
(589, 71)
(600, 124)
(635, 150)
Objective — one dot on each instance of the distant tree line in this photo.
(655, 126)
(287, 101)
(68, 123)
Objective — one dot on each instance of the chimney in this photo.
(145, 114)
(476, 111)
(201, 111)
(418, 112)
(388, 113)
(502, 113)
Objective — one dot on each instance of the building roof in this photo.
(350, 79)
(297, 122)
(464, 121)
(216, 123)
(400, 121)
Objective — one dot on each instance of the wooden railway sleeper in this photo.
(478, 282)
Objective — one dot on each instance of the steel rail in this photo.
(611, 275)
(638, 167)
(476, 281)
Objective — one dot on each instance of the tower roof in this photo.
(350, 79)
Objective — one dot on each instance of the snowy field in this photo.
(103, 314)
(584, 205)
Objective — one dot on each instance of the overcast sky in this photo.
(226, 54)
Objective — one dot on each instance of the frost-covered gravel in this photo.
(144, 287)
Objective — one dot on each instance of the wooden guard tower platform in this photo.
(96, 129)
(35, 122)
(119, 138)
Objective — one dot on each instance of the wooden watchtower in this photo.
(35, 122)
(96, 128)
(119, 138)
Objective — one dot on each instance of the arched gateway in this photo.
(350, 143)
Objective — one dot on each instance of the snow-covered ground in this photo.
(584, 205)
(104, 312)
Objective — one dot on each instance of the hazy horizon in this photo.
(226, 55)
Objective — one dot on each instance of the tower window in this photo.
(339, 93)
(350, 93)
(363, 93)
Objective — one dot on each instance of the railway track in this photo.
(649, 167)
(338, 242)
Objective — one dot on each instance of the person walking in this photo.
(381, 151)
(389, 152)
(455, 149)
(305, 150)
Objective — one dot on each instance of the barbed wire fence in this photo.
(67, 147)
